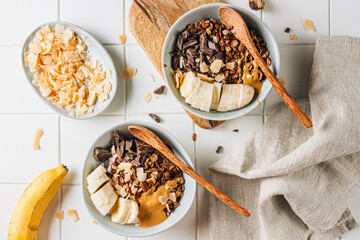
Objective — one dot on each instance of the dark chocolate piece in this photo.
(143, 148)
(102, 154)
(117, 137)
(155, 117)
(219, 149)
(120, 149)
(159, 90)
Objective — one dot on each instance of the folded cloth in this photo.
(297, 183)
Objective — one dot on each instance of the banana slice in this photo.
(121, 211)
(216, 96)
(191, 98)
(96, 179)
(104, 199)
(246, 95)
(204, 95)
(133, 213)
(188, 84)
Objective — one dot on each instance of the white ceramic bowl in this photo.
(95, 51)
(130, 230)
(211, 11)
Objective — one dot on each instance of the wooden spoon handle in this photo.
(289, 101)
(189, 171)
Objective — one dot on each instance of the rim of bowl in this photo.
(215, 115)
(172, 140)
(54, 108)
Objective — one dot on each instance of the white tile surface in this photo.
(280, 14)
(206, 145)
(180, 125)
(18, 18)
(16, 138)
(295, 68)
(141, 83)
(343, 21)
(16, 94)
(117, 106)
(84, 228)
(102, 19)
(49, 227)
(76, 139)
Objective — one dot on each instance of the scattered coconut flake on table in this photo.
(122, 38)
(59, 215)
(37, 136)
(292, 36)
(128, 72)
(308, 25)
(93, 221)
(73, 214)
(147, 97)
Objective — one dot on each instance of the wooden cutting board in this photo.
(150, 20)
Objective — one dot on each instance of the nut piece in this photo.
(73, 214)
(308, 25)
(194, 136)
(256, 4)
(292, 36)
(122, 38)
(59, 215)
(128, 72)
(219, 149)
(205, 78)
(216, 65)
(159, 90)
(38, 134)
(204, 67)
(155, 117)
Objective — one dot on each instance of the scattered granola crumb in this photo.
(219, 149)
(37, 136)
(147, 97)
(159, 90)
(73, 214)
(128, 72)
(152, 77)
(194, 136)
(122, 38)
(287, 30)
(308, 25)
(236, 130)
(93, 221)
(292, 36)
(155, 117)
(256, 4)
(165, 65)
(59, 215)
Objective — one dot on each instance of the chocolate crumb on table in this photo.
(159, 90)
(256, 4)
(194, 136)
(236, 130)
(219, 149)
(155, 117)
(287, 30)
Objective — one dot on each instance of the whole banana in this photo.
(26, 217)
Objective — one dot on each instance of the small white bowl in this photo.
(91, 163)
(95, 51)
(211, 11)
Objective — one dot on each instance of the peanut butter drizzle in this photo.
(252, 79)
(151, 210)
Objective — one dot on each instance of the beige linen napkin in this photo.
(296, 182)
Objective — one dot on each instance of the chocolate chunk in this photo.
(120, 149)
(117, 137)
(159, 90)
(102, 154)
(185, 34)
(219, 55)
(175, 62)
(219, 149)
(287, 30)
(213, 46)
(180, 42)
(155, 117)
(203, 41)
(129, 145)
(207, 52)
(189, 43)
(143, 148)
(236, 130)
(105, 163)
(191, 52)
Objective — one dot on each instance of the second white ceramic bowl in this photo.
(211, 11)
(129, 230)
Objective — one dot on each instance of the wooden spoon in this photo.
(230, 17)
(150, 138)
